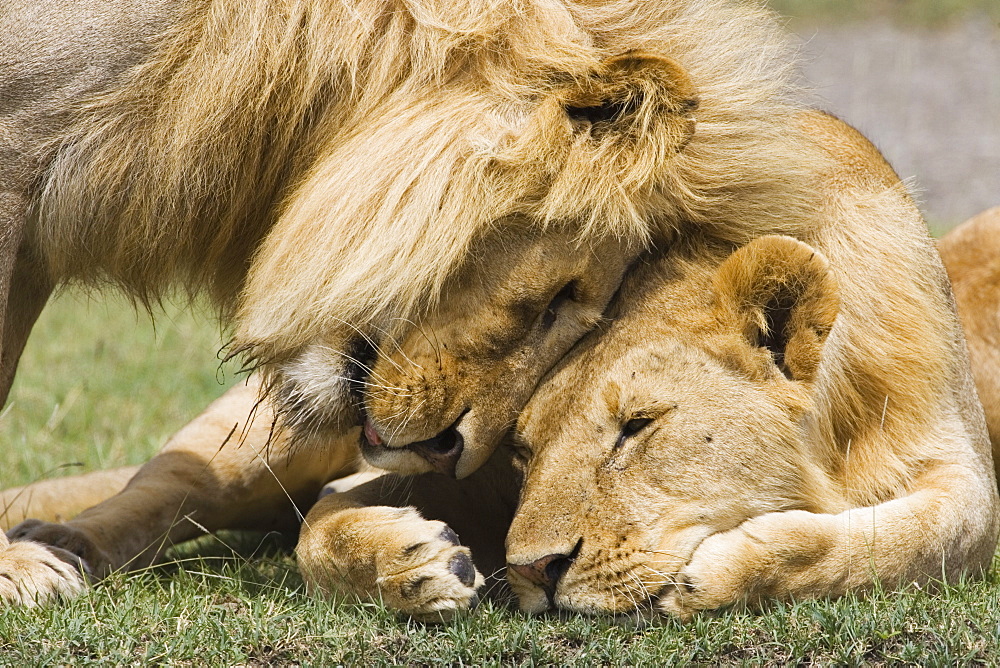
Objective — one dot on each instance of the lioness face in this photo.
(682, 419)
(439, 393)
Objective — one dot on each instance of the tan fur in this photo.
(51, 501)
(325, 168)
(346, 168)
(853, 453)
(971, 254)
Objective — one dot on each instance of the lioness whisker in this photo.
(663, 552)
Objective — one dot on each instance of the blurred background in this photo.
(921, 78)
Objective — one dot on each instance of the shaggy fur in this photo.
(348, 153)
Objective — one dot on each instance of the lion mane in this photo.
(315, 162)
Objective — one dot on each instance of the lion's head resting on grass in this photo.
(350, 177)
(682, 420)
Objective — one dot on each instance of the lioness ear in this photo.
(634, 93)
(783, 298)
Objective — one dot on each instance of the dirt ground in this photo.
(930, 99)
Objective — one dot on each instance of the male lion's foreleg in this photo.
(224, 470)
(413, 565)
(24, 283)
(947, 526)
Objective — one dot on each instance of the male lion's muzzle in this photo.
(442, 451)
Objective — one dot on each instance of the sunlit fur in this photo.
(971, 254)
(757, 476)
(347, 153)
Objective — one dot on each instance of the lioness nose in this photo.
(545, 572)
(442, 451)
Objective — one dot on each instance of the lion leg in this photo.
(224, 470)
(60, 499)
(24, 289)
(412, 544)
(947, 526)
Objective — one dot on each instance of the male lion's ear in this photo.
(634, 93)
(784, 298)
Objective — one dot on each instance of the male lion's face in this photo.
(681, 420)
(440, 392)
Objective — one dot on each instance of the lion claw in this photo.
(33, 574)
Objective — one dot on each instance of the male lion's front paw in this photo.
(413, 565)
(31, 574)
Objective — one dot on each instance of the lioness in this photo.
(971, 255)
(698, 453)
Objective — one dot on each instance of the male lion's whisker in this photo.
(375, 345)
(420, 329)
(406, 422)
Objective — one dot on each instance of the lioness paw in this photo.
(717, 576)
(772, 556)
(413, 565)
(32, 574)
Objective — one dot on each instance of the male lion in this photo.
(326, 170)
(409, 210)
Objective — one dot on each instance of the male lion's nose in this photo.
(545, 572)
(442, 451)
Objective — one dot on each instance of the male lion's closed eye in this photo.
(567, 293)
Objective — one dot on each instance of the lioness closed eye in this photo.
(689, 457)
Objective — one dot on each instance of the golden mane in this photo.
(345, 154)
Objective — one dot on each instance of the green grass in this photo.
(98, 386)
(913, 12)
